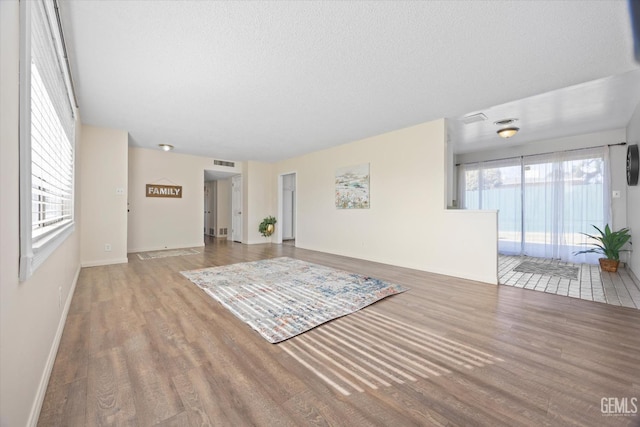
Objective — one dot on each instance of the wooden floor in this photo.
(621, 288)
(143, 346)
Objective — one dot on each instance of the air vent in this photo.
(473, 118)
(224, 163)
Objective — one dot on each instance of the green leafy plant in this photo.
(609, 244)
(267, 226)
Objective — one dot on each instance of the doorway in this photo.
(218, 210)
(287, 208)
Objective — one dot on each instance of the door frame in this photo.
(281, 202)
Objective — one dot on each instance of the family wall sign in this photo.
(172, 191)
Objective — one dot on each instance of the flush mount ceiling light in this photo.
(165, 147)
(508, 131)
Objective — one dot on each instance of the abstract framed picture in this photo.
(352, 187)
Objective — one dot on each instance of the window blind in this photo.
(47, 138)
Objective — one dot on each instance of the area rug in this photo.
(548, 269)
(283, 297)
(164, 254)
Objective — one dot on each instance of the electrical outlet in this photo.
(107, 247)
(616, 194)
(120, 191)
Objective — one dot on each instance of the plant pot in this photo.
(609, 265)
(270, 229)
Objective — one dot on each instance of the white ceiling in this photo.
(272, 80)
(597, 105)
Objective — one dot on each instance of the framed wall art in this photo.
(352, 187)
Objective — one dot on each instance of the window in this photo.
(496, 185)
(545, 202)
(47, 137)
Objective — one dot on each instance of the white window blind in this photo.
(47, 143)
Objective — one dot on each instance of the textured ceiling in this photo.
(272, 80)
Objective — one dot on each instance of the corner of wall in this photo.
(103, 172)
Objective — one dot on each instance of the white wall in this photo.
(633, 198)
(407, 224)
(163, 223)
(103, 171)
(224, 206)
(617, 154)
(31, 315)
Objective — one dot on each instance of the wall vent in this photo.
(224, 163)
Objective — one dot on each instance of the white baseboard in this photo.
(44, 380)
(104, 262)
(163, 248)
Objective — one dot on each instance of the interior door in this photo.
(236, 208)
(207, 211)
(288, 204)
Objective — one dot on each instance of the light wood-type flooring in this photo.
(143, 346)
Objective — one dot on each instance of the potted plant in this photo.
(267, 226)
(610, 245)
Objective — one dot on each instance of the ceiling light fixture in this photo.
(165, 147)
(508, 132)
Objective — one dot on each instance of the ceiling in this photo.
(597, 105)
(272, 80)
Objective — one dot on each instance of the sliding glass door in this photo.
(545, 202)
(497, 185)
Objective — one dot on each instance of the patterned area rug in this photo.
(283, 297)
(547, 269)
(164, 254)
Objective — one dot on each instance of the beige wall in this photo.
(407, 224)
(32, 313)
(258, 193)
(164, 223)
(633, 197)
(103, 172)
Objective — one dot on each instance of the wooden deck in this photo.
(144, 346)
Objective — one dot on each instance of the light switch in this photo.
(616, 194)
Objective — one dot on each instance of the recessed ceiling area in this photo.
(598, 105)
(273, 80)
